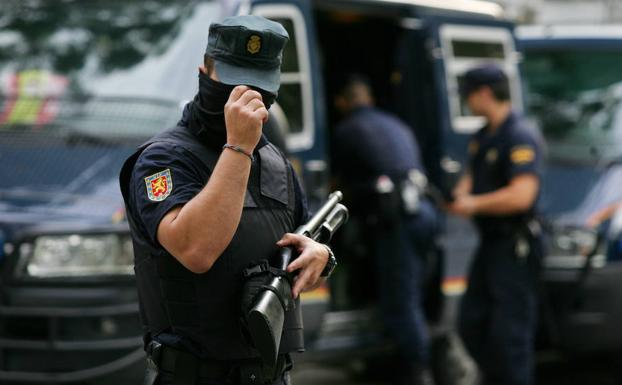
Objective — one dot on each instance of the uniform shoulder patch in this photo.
(522, 154)
(159, 186)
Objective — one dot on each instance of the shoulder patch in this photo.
(159, 186)
(522, 154)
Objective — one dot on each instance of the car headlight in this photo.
(570, 247)
(78, 255)
(574, 241)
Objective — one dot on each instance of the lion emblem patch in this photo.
(159, 186)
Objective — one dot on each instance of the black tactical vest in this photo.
(205, 308)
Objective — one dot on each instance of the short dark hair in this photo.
(501, 90)
(208, 62)
(489, 75)
(347, 87)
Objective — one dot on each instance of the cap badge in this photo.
(254, 44)
(492, 155)
(159, 186)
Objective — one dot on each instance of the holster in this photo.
(528, 241)
(399, 196)
(412, 191)
(386, 201)
(267, 309)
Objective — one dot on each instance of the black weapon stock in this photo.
(267, 315)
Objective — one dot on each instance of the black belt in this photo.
(183, 364)
(174, 361)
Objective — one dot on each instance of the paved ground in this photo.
(551, 371)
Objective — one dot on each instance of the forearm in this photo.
(198, 233)
(505, 201)
(204, 226)
(602, 215)
(464, 185)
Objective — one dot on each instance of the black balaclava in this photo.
(207, 116)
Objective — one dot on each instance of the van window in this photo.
(295, 94)
(464, 47)
(477, 49)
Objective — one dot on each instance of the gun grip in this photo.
(265, 323)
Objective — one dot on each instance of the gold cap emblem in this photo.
(254, 44)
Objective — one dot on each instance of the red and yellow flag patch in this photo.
(159, 186)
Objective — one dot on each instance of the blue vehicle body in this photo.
(75, 107)
(572, 80)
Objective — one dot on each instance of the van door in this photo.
(299, 111)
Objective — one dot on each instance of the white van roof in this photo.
(482, 7)
(527, 32)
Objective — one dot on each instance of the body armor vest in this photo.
(205, 308)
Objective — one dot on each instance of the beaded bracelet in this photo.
(239, 149)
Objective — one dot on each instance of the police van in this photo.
(573, 86)
(82, 84)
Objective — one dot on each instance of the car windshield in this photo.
(575, 96)
(82, 83)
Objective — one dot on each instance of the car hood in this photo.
(102, 206)
(571, 193)
(48, 179)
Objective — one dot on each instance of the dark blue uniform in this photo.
(199, 313)
(370, 143)
(187, 176)
(192, 322)
(498, 311)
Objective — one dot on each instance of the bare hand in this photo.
(593, 221)
(312, 260)
(463, 205)
(245, 114)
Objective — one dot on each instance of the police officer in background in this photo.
(499, 191)
(375, 157)
(207, 198)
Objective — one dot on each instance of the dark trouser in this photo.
(400, 257)
(498, 312)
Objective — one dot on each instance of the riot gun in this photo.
(274, 319)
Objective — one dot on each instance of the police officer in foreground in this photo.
(499, 191)
(204, 200)
(376, 157)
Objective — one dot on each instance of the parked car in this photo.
(573, 89)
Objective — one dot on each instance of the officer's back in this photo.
(370, 142)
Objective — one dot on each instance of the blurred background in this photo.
(83, 83)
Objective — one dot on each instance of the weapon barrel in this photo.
(337, 217)
(310, 228)
(314, 223)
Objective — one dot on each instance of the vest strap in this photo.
(263, 267)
